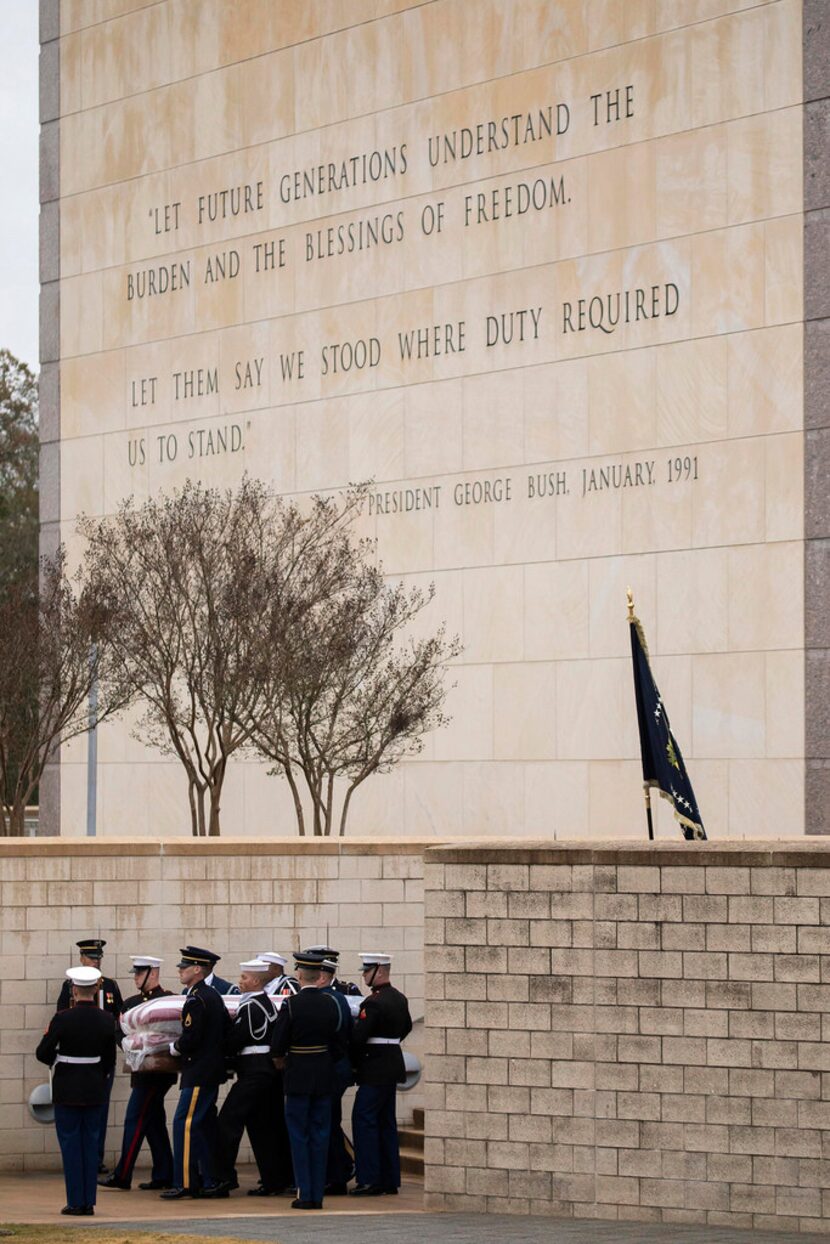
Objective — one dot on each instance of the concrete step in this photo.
(412, 1145)
(412, 1161)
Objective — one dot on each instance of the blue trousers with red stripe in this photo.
(195, 1138)
(145, 1117)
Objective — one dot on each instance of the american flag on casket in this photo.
(150, 1027)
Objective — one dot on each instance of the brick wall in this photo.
(630, 1032)
(153, 897)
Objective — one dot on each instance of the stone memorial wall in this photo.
(534, 268)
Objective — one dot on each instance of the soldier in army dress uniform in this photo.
(79, 1045)
(109, 999)
(201, 1047)
(145, 1110)
(382, 1024)
(305, 1044)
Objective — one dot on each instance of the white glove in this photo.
(173, 1050)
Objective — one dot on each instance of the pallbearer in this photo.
(382, 1024)
(349, 988)
(305, 1034)
(340, 1165)
(109, 999)
(205, 1026)
(80, 1045)
(255, 1101)
(145, 1110)
(277, 983)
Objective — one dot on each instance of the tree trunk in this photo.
(215, 795)
(298, 803)
(17, 819)
(194, 816)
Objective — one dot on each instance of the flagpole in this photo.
(646, 788)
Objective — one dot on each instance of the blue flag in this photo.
(663, 765)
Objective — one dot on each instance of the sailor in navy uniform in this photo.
(306, 1033)
(277, 983)
(382, 1024)
(80, 1045)
(109, 999)
(255, 1101)
(201, 1047)
(340, 1165)
(145, 1110)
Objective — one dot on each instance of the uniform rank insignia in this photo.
(188, 1021)
(110, 999)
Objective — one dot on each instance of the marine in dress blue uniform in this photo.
(79, 1045)
(255, 1101)
(305, 1035)
(145, 1115)
(91, 953)
(201, 1047)
(382, 1024)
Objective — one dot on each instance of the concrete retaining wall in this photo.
(630, 1032)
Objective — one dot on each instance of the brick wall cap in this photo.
(107, 846)
(782, 853)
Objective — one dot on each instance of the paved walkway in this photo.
(37, 1198)
(419, 1228)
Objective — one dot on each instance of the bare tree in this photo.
(347, 693)
(53, 650)
(205, 583)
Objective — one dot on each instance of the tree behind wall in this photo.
(18, 471)
(204, 583)
(53, 649)
(348, 691)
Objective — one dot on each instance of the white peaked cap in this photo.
(371, 959)
(83, 976)
(255, 965)
(145, 961)
(271, 957)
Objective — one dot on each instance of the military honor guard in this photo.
(349, 988)
(91, 953)
(145, 1110)
(79, 1045)
(304, 1042)
(382, 1024)
(277, 984)
(255, 1101)
(340, 1164)
(201, 1048)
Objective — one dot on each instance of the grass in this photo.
(13, 1233)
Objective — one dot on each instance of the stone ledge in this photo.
(782, 853)
(106, 846)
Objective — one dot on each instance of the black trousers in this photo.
(255, 1104)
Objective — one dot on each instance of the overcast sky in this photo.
(18, 178)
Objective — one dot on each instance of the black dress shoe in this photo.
(217, 1192)
(366, 1190)
(177, 1194)
(260, 1191)
(306, 1204)
(390, 1191)
(88, 1211)
(153, 1185)
(103, 1169)
(112, 1181)
(74, 1211)
(336, 1190)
